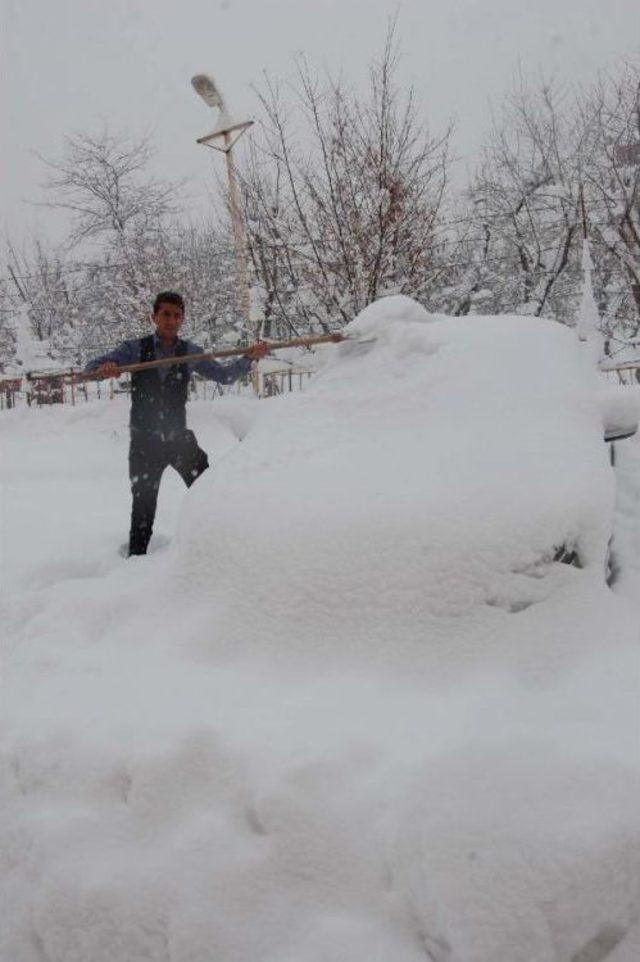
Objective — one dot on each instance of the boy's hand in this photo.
(257, 351)
(108, 369)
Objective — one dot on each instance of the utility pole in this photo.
(239, 233)
(223, 138)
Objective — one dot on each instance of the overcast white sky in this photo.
(73, 64)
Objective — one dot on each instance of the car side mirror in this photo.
(620, 412)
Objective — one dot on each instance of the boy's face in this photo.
(168, 320)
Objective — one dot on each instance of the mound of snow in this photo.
(356, 711)
(425, 482)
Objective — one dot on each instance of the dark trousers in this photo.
(149, 455)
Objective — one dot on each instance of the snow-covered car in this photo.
(476, 441)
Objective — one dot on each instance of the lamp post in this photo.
(223, 138)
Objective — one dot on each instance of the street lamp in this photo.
(223, 138)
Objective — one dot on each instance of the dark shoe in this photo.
(126, 552)
(139, 541)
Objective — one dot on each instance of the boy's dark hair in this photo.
(168, 297)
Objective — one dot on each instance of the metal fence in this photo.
(45, 389)
(627, 374)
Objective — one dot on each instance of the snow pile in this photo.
(426, 481)
(355, 711)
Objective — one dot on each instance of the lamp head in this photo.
(205, 87)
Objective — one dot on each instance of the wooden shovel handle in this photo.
(213, 355)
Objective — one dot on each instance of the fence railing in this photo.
(627, 374)
(42, 390)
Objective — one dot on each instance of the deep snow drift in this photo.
(354, 710)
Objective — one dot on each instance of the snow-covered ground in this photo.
(348, 708)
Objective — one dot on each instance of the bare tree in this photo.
(343, 195)
(8, 315)
(123, 247)
(103, 182)
(526, 201)
(196, 261)
(48, 288)
(119, 212)
(611, 114)
(557, 166)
